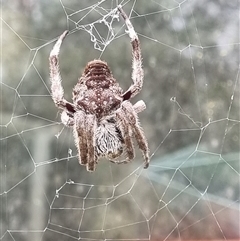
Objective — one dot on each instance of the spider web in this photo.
(191, 60)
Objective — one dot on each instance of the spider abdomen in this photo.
(100, 103)
(98, 82)
(97, 92)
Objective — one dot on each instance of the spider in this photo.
(103, 119)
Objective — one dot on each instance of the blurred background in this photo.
(191, 59)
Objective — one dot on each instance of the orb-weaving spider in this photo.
(104, 121)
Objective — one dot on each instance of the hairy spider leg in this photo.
(79, 133)
(132, 117)
(91, 127)
(126, 134)
(137, 70)
(55, 78)
(139, 106)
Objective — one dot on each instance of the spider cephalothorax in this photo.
(103, 119)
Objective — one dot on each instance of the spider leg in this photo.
(79, 133)
(55, 78)
(137, 70)
(132, 117)
(126, 134)
(84, 134)
(139, 106)
(124, 127)
(67, 119)
(91, 127)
